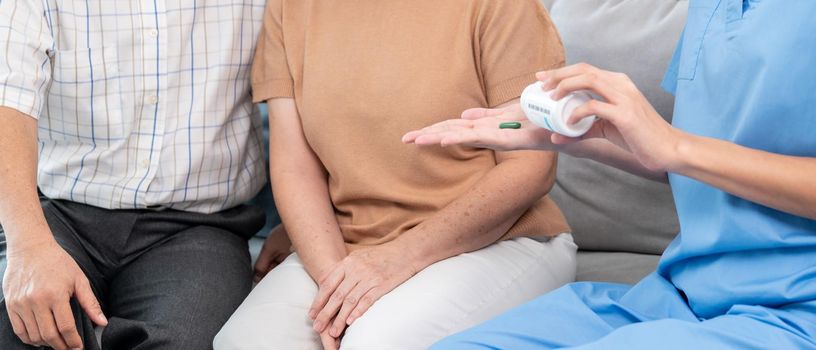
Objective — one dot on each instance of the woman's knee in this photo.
(229, 337)
(381, 338)
(393, 326)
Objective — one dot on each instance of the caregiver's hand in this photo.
(627, 119)
(479, 127)
(358, 281)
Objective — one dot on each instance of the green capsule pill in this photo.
(510, 125)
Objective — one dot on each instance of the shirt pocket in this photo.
(737, 11)
(700, 15)
(84, 100)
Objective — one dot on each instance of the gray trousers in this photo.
(165, 279)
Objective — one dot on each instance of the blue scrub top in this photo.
(745, 72)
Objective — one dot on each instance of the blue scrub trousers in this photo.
(651, 315)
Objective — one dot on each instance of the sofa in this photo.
(621, 223)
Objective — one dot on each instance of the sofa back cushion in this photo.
(610, 210)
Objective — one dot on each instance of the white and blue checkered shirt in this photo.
(141, 103)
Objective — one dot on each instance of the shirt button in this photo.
(153, 33)
(152, 99)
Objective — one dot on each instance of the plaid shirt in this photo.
(141, 103)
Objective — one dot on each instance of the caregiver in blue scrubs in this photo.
(741, 160)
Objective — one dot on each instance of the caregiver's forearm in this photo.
(781, 182)
(603, 151)
(483, 214)
(300, 184)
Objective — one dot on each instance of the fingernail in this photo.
(334, 332)
(349, 321)
(318, 326)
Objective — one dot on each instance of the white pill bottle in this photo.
(552, 115)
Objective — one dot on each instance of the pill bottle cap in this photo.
(568, 105)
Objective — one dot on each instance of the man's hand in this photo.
(358, 281)
(40, 280)
(275, 249)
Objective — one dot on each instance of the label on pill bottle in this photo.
(552, 115)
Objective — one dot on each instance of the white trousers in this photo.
(444, 298)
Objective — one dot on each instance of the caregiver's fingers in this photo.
(604, 111)
(595, 82)
(595, 108)
(551, 78)
(596, 131)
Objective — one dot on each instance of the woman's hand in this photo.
(275, 249)
(479, 127)
(627, 119)
(329, 342)
(358, 281)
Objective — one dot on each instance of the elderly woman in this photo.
(398, 247)
(741, 160)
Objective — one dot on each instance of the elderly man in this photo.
(148, 144)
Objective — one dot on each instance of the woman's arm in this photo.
(475, 220)
(300, 184)
(485, 213)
